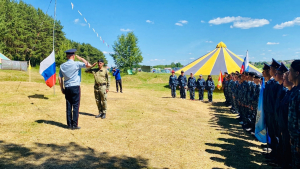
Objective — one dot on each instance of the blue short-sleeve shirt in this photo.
(71, 72)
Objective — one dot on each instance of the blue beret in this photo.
(266, 67)
(282, 68)
(71, 51)
(275, 64)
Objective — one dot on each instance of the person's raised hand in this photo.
(107, 90)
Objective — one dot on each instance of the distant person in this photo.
(201, 87)
(173, 83)
(210, 87)
(182, 81)
(192, 86)
(69, 81)
(116, 73)
(101, 87)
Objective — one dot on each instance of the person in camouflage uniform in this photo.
(254, 100)
(232, 89)
(239, 97)
(229, 92)
(182, 82)
(192, 84)
(294, 113)
(101, 87)
(210, 87)
(251, 88)
(201, 87)
(173, 83)
(224, 83)
(227, 102)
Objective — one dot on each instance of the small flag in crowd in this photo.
(245, 66)
(220, 80)
(48, 71)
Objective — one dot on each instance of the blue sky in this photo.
(181, 31)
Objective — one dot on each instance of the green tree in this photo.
(126, 51)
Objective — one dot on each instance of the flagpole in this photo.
(53, 43)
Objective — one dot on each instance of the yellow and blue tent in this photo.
(220, 59)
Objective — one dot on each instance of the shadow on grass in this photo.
(70, 155)
(54, 123)
(236, 151)
(87, 114)
(38, 96)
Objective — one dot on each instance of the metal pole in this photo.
(53, 40)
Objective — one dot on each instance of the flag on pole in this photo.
(245, 65)
(72, 5)
(29, 66)
(48, 71)
(260, 125)
(220, 81)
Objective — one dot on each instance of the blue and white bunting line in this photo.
(90, 25)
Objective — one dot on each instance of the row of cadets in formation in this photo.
(281, 108)
(191, 84)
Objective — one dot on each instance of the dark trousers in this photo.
(201, 92)
(209, 95)
(173, 91)
(72, 95)
(182, 92)
(120, 84)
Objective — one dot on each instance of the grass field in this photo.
(144, 128)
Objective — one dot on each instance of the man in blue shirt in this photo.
(69, 81)
(116, 73)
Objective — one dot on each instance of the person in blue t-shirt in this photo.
(116, 73)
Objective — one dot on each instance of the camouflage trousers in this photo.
(192, 93)
(210, 95)
(100, 97)
(173, 91)
(295, 153)
(201, 92)
(182, 92)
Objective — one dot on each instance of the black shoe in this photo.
(103, 116)
(70, 127)
(99, 115)
(76, 127)
(121, 92)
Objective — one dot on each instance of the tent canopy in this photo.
(220, 59)
(2, 57)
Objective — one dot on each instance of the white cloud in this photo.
(285, 35)
(76, 20)
(263, 54)
(297, 52)
(148, 21)
(240, 22)
(296, 21)
(190, 53)
(178, 24)
(181, 22)
(192, 58)
(125, 30)
(272, 43)
(253, 23)
(209, 41)
(202, 21)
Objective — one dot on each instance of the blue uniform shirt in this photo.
(192, 82)
(173, 80)
(71, 72)
(182, 81)
(201, 84)
(117, 74)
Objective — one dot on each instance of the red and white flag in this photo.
(220, 81)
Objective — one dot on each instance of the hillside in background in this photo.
(26, 34)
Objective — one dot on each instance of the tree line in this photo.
(26, 34)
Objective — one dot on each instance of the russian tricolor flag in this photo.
(245, 66)
(48, 71)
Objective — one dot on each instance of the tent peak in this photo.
(221, 45)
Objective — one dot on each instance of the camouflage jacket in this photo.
(182, 81)
(294, 116)
(192, 82)
(101, 76)
(201, 84)
(173, 80)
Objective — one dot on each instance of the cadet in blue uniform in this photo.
(294, 113)
(69, 81)
(182, 81)
(255, 90)
(224, 83)
(227, 102)
(192, 84)
(173, 83)
(201, 87)
(282, 115)
(269, 109)
(210, 87)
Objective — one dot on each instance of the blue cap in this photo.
(266, 67)
(70, 51)
(282, 68)
(275, 64)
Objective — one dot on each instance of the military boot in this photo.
(103, 116)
